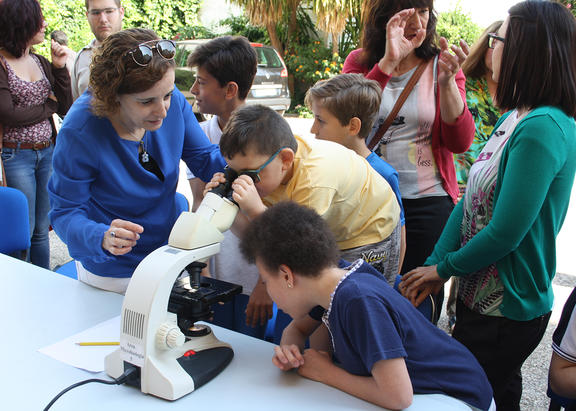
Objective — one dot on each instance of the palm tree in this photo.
(332, 16)
(267, 13)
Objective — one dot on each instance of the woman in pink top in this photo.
(433, 122)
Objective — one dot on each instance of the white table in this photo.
(39, 307)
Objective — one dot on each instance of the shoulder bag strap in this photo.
(399, 103)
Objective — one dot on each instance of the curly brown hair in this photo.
(291, 234)
(113, 72)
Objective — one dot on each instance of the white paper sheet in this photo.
(89, 358)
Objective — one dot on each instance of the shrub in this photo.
(455, 25)
(310, 63)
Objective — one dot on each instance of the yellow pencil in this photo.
(85, 344)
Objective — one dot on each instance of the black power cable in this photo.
(116, 381)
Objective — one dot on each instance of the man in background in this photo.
(105, 18)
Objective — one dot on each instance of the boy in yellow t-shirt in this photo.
(356, 202)
(345, 108)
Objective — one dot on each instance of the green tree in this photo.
(331, 15)
(69, 16)
(240, 26)
(455, 25)
(166, 17)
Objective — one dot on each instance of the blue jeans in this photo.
(29, 171)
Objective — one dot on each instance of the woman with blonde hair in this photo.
(480, 97)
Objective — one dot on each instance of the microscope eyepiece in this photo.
(225, 189)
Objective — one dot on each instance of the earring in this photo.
(289, 285)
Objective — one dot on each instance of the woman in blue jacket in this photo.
(116, 164)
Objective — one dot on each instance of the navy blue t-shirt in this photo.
(369, 321)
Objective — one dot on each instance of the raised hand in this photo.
(59, 54)
(450, 63)
(399, 46)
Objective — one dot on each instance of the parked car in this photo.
(270, 86)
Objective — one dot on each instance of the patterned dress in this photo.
(482, 291)
(485, 117)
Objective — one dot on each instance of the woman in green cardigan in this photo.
(500, 239)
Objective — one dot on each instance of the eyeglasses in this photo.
(142, 55)
(255, 174)
(492, 37)
(107, 12)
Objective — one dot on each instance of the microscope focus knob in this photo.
(169, 336)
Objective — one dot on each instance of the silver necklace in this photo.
(144, 156)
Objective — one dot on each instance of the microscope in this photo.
(167, 296)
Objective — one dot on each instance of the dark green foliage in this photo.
(165, 17)
(240, 26)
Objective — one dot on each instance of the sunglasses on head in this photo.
(143, 54)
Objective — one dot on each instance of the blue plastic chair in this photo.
(182, 202)
(15, 224)
(69, 269)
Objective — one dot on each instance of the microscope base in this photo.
(177, 372)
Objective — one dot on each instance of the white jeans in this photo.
(116, 285)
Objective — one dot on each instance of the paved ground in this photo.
(536, 367)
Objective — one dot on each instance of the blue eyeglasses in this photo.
(255, 174)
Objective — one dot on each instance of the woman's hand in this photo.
(121, 237)
(316, 365)
(59, 54)
(397, 46)
(247, 197)
(287, 357)
(419, 283)
(450, 63)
